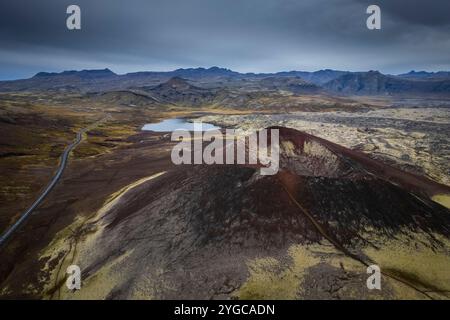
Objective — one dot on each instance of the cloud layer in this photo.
(245, 35)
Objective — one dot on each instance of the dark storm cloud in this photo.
(419, 12)
(246, 35)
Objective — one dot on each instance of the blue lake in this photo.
(170, 125)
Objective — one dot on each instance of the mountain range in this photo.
(298, 82)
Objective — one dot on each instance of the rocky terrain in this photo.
(364, 179)
(308, 232)
(414, 139)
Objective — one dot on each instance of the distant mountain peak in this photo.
(418, 72)
(103, 71)
(92, 73)
(177, 81)
(200, 72)
(216, 69)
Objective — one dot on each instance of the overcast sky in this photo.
(243, 35)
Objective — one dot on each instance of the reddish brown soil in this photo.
(205, 218)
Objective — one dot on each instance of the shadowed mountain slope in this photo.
(376, 83)
(193, 231)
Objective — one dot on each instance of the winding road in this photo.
(37, 202)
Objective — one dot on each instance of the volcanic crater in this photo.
(197, 231)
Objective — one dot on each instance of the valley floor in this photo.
(106, 214)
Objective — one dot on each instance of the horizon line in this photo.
(212, 67)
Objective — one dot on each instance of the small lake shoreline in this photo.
(170, 125)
